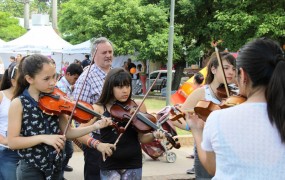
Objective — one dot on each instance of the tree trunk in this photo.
(179, 68)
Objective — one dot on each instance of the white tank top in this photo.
(208, 95)
(4, 108)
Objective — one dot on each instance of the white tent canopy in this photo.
(83, 48)
(2, 42)
(40, 39)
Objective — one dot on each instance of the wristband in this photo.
(187, 128)
(89, 141)
(94, 143)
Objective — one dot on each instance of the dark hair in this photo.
(116, 77)
(74, 68)
(12, 57)
(9, 74)
(87, 56)
(52, 61)
(199, 78)
(30, 65)
(99, 41)
(215, 63)
(263, 60)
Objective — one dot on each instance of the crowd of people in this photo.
(245, 141)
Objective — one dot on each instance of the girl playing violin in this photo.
(247, 141)
(208, 92)
(125, 160)
(33, 133)
(8, 158)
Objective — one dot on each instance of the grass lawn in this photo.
(155, 105)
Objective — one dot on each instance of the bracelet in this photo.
(187, 128)
(95, 143)
(89, 141)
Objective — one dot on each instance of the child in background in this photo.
(33, 133)
(8, 158)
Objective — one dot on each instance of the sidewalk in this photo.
(152, 170)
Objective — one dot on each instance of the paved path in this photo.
(152, 170)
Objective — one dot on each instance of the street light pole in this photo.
(26, 14)
(54, 14)
(170, 53)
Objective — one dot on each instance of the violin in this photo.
(221, 91)
(57, 103)
(122, 112)
(168, 136)
(229, 97)
(204, 108)
(143, 122)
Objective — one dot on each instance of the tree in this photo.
(9, 27)
(133, 28)
(142, 26)
(242, 21)
(16, 8)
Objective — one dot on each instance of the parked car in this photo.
(161, 81)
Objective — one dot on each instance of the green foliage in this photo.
(9, 28)
(16, 8)
(129, 25)
(243, 21)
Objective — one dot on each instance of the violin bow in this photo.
(222, 68)
(137, 109)
(77, 100)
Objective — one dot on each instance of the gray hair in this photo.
(97, 41)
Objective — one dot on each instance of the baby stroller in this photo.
(158, 148)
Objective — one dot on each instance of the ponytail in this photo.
(21, 84)
(275, 96)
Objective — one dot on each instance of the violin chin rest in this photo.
(51, 114)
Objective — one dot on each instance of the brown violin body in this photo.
(58, 103)
(204, 108)
(122, 112)
(143, 122)
(221, 91)
(232, 101)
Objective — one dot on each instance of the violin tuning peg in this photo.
(176, 139)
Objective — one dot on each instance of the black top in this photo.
(128, 154)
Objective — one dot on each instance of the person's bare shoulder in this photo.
(192, 100)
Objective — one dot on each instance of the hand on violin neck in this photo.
(194, 122)
(158, 134)
(104, 122)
